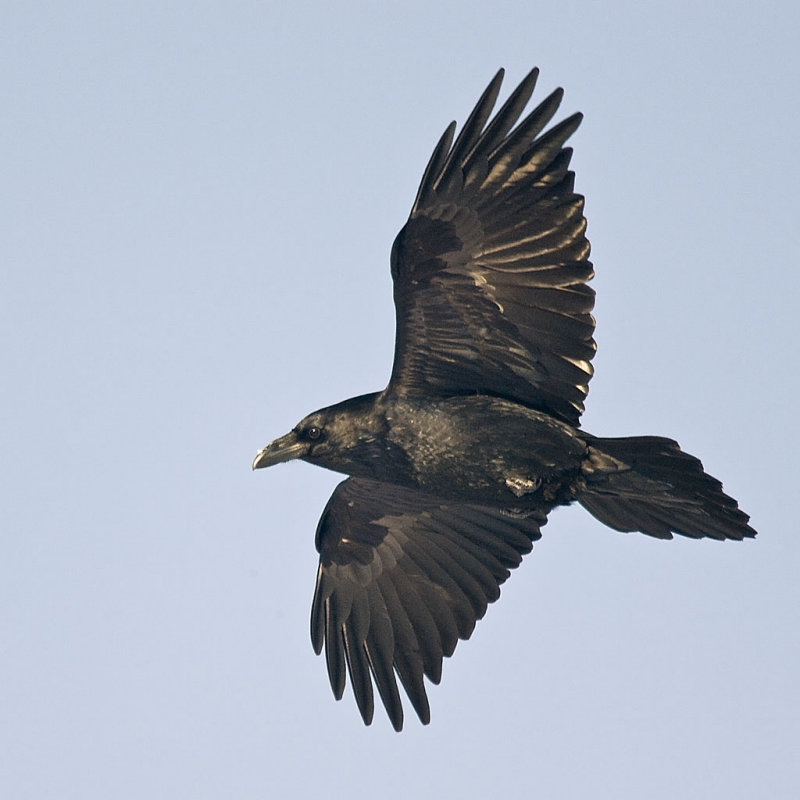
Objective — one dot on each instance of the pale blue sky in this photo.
(198, 202)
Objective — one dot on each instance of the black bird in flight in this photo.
(455, 465)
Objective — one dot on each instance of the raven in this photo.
(455, 465)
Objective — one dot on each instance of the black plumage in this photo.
(455, 465)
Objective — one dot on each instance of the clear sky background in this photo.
(198, 202)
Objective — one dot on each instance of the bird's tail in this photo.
(648, 484)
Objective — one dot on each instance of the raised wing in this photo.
(402, 577)
(490, 270)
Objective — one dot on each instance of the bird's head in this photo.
(341, 437)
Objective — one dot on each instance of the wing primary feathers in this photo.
(543, 151)
(409, 660)
(451, 174)
(500, 125)
(318, 614)
(507, 156)
(334, 652)
(358, 666)
(380, 648)
(437, 159)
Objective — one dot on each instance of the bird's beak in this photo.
(284, 449)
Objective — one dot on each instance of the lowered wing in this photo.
(402, 577)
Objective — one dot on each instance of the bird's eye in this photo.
(314, 432)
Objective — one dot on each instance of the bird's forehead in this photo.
(314, 418)
(323, 418)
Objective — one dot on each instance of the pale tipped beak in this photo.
(284, 449)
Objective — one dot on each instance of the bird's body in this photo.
(453, 442)
(474, 448)
(454, 467)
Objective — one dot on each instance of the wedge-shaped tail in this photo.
(648, 484)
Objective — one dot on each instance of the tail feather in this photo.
(648, 484)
